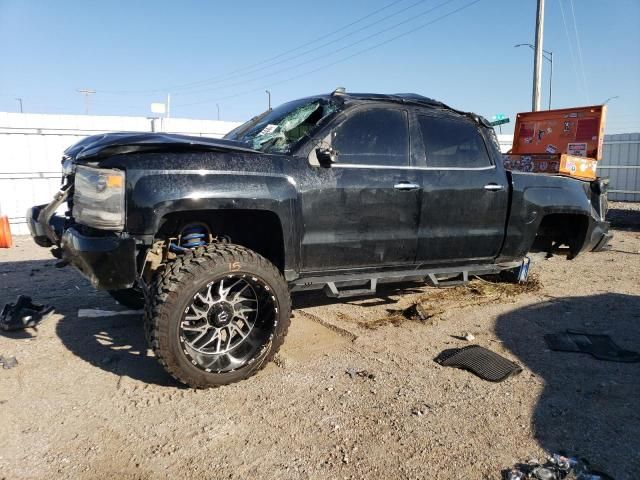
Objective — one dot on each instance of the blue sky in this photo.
(205, 52)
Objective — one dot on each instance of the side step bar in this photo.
(337, 286)
(332, 291)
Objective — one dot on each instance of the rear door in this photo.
(363, 210)
(465, 197)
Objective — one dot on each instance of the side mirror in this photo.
(326, 156)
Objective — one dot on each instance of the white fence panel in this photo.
(31, 147)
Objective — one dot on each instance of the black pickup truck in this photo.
(338, 192)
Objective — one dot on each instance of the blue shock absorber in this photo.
(192, 236)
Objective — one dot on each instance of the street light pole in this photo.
(19, 99)
(550, 76)
(537, 59)
(269, 94)
(548, 57)
(218, 107)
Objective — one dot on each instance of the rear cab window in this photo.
(451, 142)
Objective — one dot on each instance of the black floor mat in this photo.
(480, 361)
(600, 346)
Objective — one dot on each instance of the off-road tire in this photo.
(129, 297)
(173, 290)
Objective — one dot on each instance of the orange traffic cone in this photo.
(5, 232)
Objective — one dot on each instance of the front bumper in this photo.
(108, 261)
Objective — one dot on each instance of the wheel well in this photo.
(559, 229)
(259, 230)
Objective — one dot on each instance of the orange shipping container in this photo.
(575, 131)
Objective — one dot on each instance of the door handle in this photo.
(406, 186)
(494, 187)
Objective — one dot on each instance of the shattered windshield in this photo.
(278, 129)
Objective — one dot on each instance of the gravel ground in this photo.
(87, 400)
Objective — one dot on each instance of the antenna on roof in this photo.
(339, 91)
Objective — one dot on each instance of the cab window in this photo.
(453, 143)
(373, 137)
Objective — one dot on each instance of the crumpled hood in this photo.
(108, 144)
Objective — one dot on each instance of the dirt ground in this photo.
(87, 400)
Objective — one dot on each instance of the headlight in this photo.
(98, 199)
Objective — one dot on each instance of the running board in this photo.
(332, 287)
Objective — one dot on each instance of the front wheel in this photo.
(217, 315)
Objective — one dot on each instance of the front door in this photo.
(364, 209)
(465, 197)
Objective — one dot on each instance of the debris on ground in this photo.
(600, 346)
(557, 467)
(420, 410)
(23, 314)
(8, 362)
(468, 336)
(478, 360)
(479, 291)
(353, 373)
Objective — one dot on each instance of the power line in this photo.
(329, 54)
(566, 31)
(311, 42)
(575, 28)
(306, 52)
(360, 52)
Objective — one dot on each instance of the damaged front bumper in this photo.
(107, 260)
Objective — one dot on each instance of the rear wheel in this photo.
(217, 315)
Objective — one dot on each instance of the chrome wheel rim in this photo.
(228, 322)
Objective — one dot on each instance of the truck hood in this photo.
(96, 147)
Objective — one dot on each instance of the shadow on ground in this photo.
(115, 344)
(624, 219)
(588, 407)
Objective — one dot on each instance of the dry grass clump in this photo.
(479, 291)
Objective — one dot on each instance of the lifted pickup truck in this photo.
(337, 192)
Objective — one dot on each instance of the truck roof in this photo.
(403, 98)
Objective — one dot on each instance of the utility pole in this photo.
(269, 94)
(168, 105)
(537, 61)
(547, 55)
(218, 107)
(86, 92)
(19, 99)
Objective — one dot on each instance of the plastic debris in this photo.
(352, 372)
(8, 362)
(23, 314)
(557, 467)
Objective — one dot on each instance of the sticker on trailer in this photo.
(577, 149)
(551, 149)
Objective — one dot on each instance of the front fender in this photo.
(154, 194)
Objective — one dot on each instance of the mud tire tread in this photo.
(162, 299)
